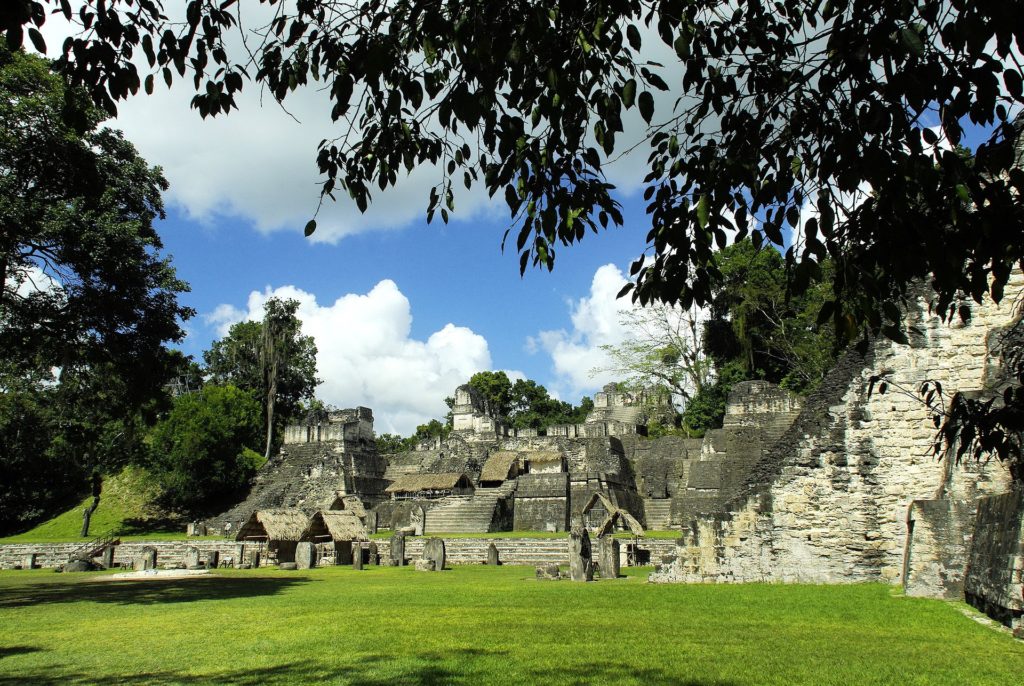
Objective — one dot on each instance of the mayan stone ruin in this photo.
(837, 487)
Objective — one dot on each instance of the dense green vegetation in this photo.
(203, 452)
(87, 300)
(271, 359)
(480, 625)
(524, 404)
(759, 329)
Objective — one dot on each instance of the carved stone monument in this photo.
(29, 561)
(357, 555)
(398, 549)
(424, 565)
(608, 557)
(107, 557)
(548, 571)
(305, 555)
(433, 549)
(213, 559)
(192, 557)
(374, 554)
(581, 566)
(146, 559)
(418, 520)
(492, 555)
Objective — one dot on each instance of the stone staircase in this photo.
(467, 514)
(658, 513)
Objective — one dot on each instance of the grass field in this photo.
(482, 625)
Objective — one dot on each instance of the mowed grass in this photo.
(482, 625)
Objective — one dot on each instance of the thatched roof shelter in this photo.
(336, 525)
(544, 457)
(350, 503)
(416, 483)
(273, 525)
(615, 513)
(499, 466)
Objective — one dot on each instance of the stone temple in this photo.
(840, 486)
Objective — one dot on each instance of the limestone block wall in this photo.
(169, 553)
(938, 537)
(995, 571)
(541, 503)
(515, 551)
(829, 501)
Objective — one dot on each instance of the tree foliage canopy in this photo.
(767, 119)
(270, 358)
(87, 303)
(526, 404)
(204, 450)
(82, 282)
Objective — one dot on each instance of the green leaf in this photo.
(629, 93)
(702, 211)
(37, 40)
(1014, 85)
(310, 227)
(682, 46)
(633, 36)
(912, 41)
(646, 105)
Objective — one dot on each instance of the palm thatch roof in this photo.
(544, 457)
(413, 483)
(499, 465)
(273, 525)
(339, 525)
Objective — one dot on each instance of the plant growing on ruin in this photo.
(664, 350)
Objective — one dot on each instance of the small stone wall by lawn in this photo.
(459, 551)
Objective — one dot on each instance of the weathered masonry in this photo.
(840, 486)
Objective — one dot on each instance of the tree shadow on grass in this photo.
(7, 651)
(422, 669)
(144, 592)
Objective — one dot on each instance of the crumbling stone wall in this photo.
(829, 501)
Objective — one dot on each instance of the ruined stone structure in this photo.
(320, 463)
(850, 491)
(836, 487)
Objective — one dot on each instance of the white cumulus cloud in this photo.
(367, 357)
(596, 320)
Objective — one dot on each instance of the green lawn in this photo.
(482, 625)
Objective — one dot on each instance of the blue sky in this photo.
(402, 312)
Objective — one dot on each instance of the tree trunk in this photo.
(271, 394)
(87, 516)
